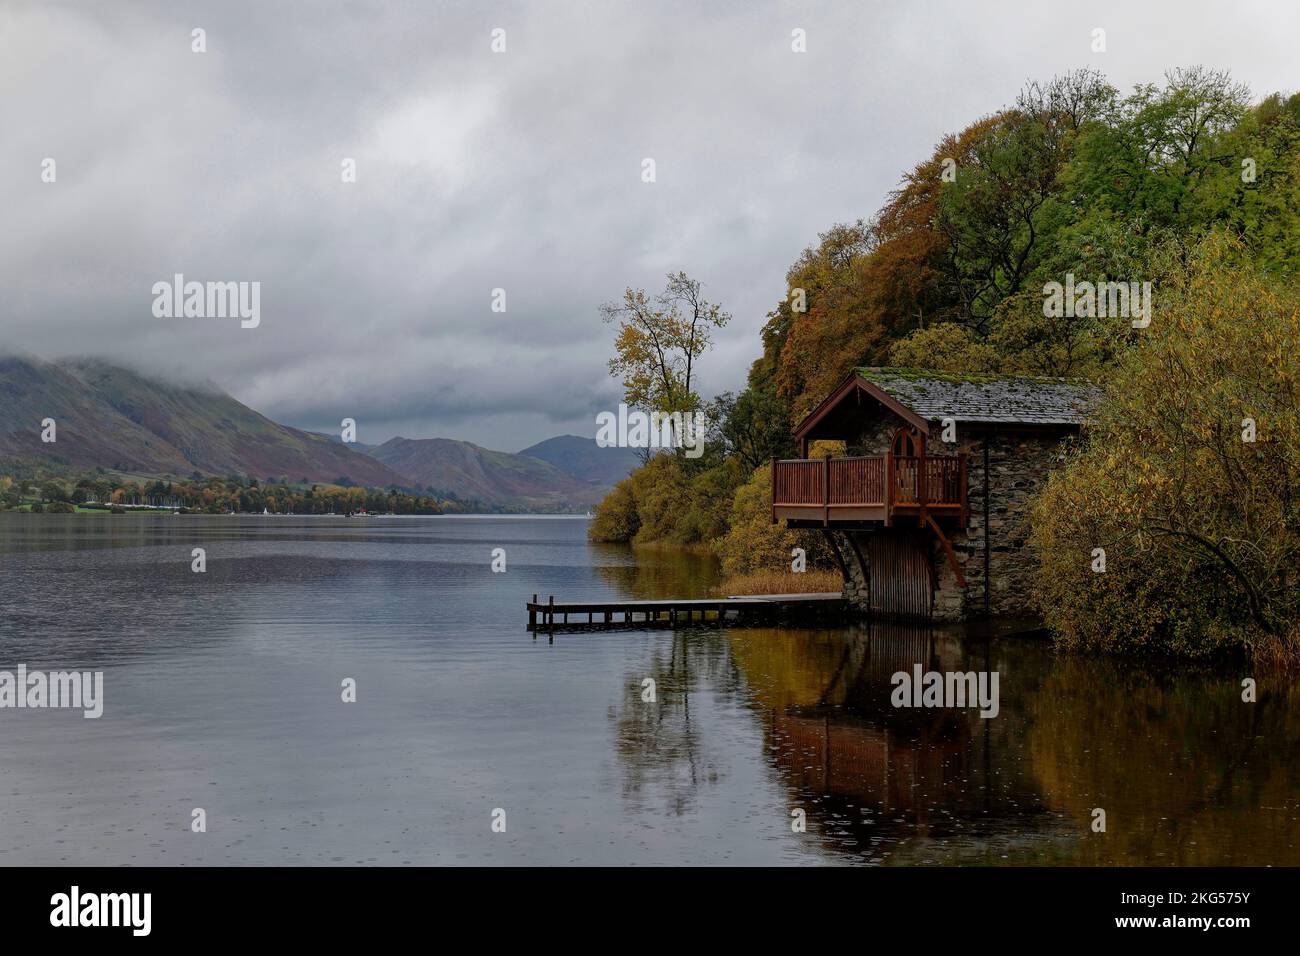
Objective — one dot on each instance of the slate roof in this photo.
(987, 398)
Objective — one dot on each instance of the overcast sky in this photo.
(479, 170)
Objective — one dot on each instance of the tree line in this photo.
(1186, 480)
(210, 495)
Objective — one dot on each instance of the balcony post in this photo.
(826, 491)
(889, 487)
(922, 482)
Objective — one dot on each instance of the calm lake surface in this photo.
(223, 691)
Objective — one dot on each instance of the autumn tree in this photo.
(660, 341)
(867, 284)
(1177, 526)
(753, 543)
(824, 321)
(946, 347)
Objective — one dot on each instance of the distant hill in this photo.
(115, 418)
(118, 419)
(496, 478)
(583, 459)
(338, 438)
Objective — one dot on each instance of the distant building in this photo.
(927, 511)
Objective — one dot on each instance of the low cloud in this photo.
(478, 171)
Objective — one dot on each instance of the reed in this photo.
(780, 582)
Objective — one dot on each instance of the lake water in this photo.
(223, 692)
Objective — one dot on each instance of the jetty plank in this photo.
(553, 615)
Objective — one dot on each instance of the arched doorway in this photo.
(908, 447)
(907, 443)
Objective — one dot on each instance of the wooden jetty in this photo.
(680, 612)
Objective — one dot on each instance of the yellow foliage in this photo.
(781, 582)
(753, 544)
(1199, 524)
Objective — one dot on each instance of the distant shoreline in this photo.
(258, 514)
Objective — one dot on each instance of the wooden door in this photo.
(907, 449)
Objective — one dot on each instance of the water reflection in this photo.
(667, 755)
(651, 574)
(1187, 772)
(225, 686)
(1195, 775)
(884, 782)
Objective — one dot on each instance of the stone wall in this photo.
(856, 585)
(1019, 463)
(877, 437)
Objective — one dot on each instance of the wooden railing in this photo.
(857, 479)
(800, 482)
(856, 488)
(943, 480)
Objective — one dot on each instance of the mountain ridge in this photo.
(495, 477)
(112, 417)
(584, 459)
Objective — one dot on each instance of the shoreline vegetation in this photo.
(40, 487)
(1171, 528)
(780, 582)
(206, 495)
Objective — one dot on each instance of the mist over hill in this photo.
(112, 417)
(496, 478)
(584, 459)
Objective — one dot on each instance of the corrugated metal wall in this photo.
(902, 577)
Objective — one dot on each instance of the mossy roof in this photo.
(1020, 400)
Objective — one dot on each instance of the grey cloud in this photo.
(479, 171)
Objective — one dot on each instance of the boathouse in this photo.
(926, 511)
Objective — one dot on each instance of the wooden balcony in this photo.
(882, 488)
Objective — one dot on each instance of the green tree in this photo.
(754, 425)
(1160, 150)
